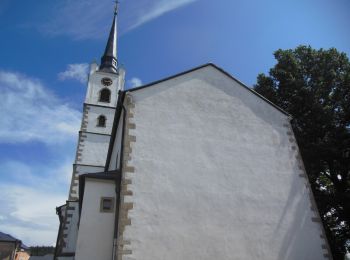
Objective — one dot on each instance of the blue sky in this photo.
(46, 47)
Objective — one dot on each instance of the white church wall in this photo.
(217, 176)
(95, 238)
(92, 123)
(95, 148)
(79, 170)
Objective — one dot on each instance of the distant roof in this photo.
(9, 238)
(23, 246)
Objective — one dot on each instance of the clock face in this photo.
(106, 81)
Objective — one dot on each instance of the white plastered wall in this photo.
(94, 113)
(96, 229)
(217, 176)
(95, 149)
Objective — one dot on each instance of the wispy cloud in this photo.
(39, 175)
(90, 19)
(134, 82)
(156, 9)
(29, 112)
(28, 202)
(31, 191)
(77, 72)
(79, 19)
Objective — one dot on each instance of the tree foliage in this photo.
(314, 87)
(41, 250)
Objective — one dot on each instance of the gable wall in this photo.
(216, 176)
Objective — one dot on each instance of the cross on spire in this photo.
(116, 7)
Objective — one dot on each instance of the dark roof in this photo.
(23, 246)
(221, 70)
(110, 175)
(7, 237)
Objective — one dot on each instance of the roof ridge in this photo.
(219, 69)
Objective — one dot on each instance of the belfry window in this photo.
(105, 95)
(101, 121)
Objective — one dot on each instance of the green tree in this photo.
(41, 250)
(314, 87)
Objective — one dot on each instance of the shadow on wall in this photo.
(297, 208)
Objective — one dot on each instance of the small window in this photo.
(107, 204)
(101, 121)
(105, 95)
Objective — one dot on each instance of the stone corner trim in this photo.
(124, 246)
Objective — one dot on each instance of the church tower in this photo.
(104, 83)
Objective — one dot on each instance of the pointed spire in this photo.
(109, 58)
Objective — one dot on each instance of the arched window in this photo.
(101, 121)
(105, 95)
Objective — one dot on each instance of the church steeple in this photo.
(109, 58)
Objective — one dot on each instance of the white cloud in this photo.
(79, 19)
(38, 175)
(77, 72)
(30, 213)
(134, 82)
(28, 200)
(29, 112)
(90, 19)
(157, 9)
(31, 191)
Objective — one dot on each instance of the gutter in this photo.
(118, 187)
(116, 119)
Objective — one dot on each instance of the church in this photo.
(193, 166)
